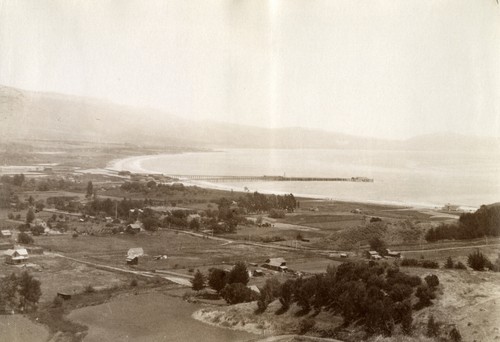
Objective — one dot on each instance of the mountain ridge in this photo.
(26, 114)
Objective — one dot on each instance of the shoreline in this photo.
(133, 165)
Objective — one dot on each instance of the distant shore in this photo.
(134, 165)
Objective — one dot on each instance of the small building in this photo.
(393, 254)
(277, 264)
(133, 255)
(134, 228)
(450, 207)
(5, 233)
(17, 255)
(108, 219)
(258, 273)
(374, 255)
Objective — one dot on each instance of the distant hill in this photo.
(25, 114)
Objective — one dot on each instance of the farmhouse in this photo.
(277, 264)
(5, 233)
(133, 255)
(16, 256)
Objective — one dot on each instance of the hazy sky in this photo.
(388, 68)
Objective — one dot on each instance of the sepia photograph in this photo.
(249, 170)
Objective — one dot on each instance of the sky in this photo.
(390, 69)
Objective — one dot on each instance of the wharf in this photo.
(270, 179)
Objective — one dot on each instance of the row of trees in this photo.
(483, 222)
(257, 202)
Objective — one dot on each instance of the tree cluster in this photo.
(19, 292)
(483, 222)
(375, 296)
(232, 285)
(257, 202)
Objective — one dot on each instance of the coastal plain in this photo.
(112, 300)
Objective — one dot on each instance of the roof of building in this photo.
(135, 226)
(373, 252)
(276, 262)
(254, 288)
(17, 252)
(6, 232)
(135, 252)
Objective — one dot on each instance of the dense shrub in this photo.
(429, 264)
(460, 266)
(478, 261)
(410, 262)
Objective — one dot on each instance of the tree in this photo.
(239, 274)
(455, 335)
(90, 189)
(477, 261)
(198, 281)
(449, 263)
(9, 299)
(432, 280)
(377, 244)
(30, 216)
(424, 294)
(24, 238)
(150, 223)
(194, 225)
(286, 294)
(217, 279)
(237, 293)
(29, 291)
(37, 230)
(268, 293)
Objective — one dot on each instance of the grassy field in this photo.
(163, 318)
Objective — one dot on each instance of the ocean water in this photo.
(422, 178)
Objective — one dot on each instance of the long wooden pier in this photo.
(269, 179)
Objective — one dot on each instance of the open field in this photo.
(162, 318)
(19, 328)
